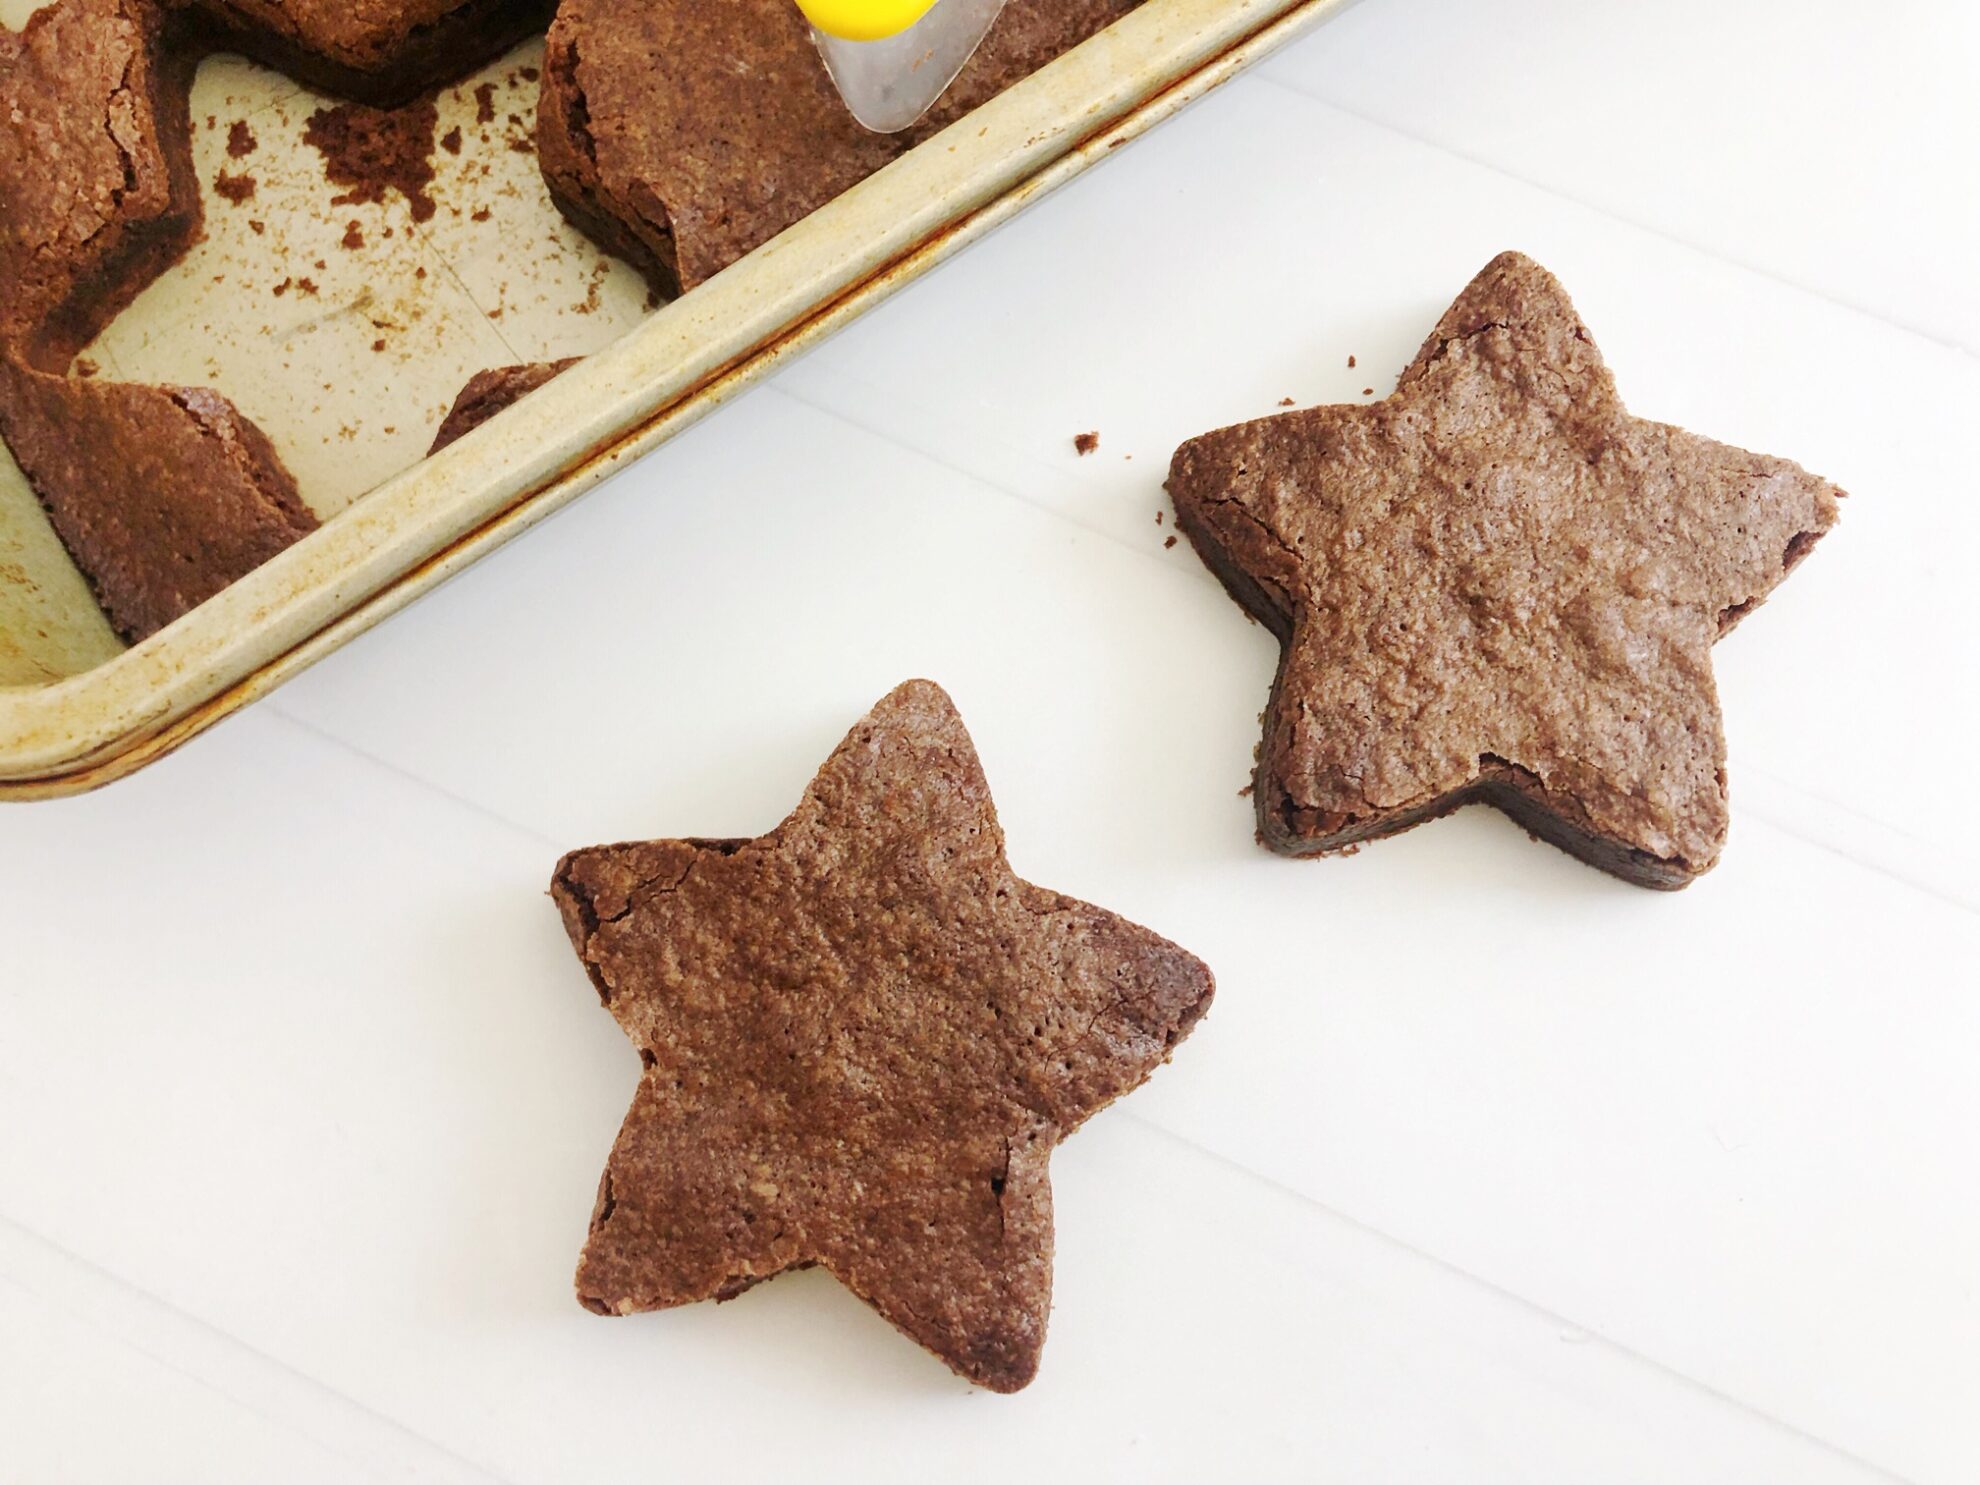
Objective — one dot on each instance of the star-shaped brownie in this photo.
(862, 1036)
(1497, 586)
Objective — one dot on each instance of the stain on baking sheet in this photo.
(345, 330)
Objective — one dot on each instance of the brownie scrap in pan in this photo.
(682, 134)
(165, 495)
(1498, 586)
(162, 495)
(861, 1036)
(492, 391)
(380, 52)
(97, 195)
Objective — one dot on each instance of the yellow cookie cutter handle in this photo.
(864, 20)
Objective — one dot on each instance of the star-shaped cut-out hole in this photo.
(1497, 585)
(862, 1035)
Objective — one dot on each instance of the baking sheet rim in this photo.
(434, 519)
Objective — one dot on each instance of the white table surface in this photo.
(1485, 1167)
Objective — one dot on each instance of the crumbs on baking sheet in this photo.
(233, 188)
(371, 151)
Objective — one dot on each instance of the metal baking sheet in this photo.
(350, 377)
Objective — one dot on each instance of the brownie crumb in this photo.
(1350, 363)
(1245, 792)
(1158, 517)
(353, 235)
(86, 367)
(257, 228)
(522, 144)
(451, 140)
(1368, 391)
(283, 287)
(374, 150)
(1285, 402)
(240, 139)
(233, 188)
(378, 345)
(484, 104)
(1169, 543)
(306, 285)
(1086, 443)
(530, 74)
(482, 214)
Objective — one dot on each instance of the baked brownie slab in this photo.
(1497, 585)
(861, 1037)
(683, 133)
(381, 52)
(97, 195)
(163, 495)
(490, 392)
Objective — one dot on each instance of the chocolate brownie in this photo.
(492, 391)
(162, 495)
(97, 194)
(381, 52)
(1497, 585)
(683, 133)
(861, 1037)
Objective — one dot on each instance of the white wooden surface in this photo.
(1484, 1168)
